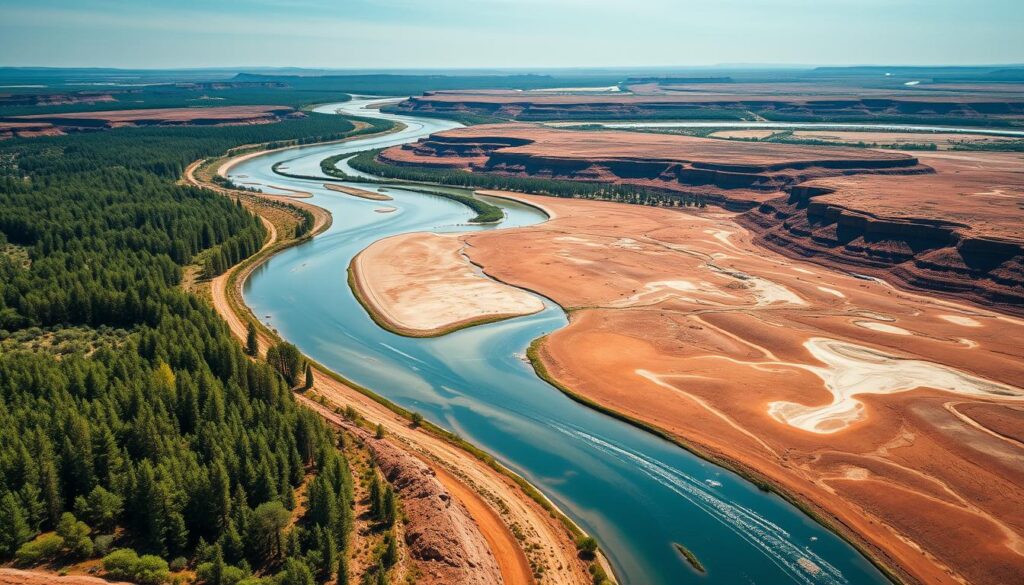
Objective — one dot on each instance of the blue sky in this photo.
(508, 33)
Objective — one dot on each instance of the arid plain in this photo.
(892, 413)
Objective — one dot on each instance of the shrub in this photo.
(178, 564)
(103, 544)
(587, 546)
(126, 564)
(230, 575)
(40, 550)
(75, 534)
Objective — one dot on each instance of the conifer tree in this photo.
(252, 345)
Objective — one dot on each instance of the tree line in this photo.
(173, 449)
(367, 162)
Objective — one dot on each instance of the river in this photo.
(635, 493)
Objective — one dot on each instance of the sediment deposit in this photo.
(891, 413)
(421, 285)
(224, 115)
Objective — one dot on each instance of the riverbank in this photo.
(421, 285)
(543, 534)
(681, 325)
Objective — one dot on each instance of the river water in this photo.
(635, 493)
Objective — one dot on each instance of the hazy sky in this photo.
(507, 33)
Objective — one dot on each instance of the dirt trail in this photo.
(486, 493)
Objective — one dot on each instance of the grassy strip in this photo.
(485, 212)
(762, 483)
(367, 162)
(690, 558)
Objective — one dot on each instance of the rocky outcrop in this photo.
(918, 253)
(538, 107)
(440, 534)
(442, 538)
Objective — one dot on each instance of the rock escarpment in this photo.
(538, 107)
(929, 253)
(441, 535)
(949, 222)
(737, 175)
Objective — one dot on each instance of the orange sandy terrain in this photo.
(16, 577)
(942, 140)
(951, 222)
(162, 116)
(421, 285)
(738, 174)
(894, 414)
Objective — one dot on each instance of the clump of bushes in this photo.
(124, 563)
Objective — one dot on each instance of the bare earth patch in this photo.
(860, 400)
(421, 285)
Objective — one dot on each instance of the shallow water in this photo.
(635, 493)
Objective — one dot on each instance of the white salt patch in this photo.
(958, 320)
(882, 327)
(852, 369)
(831, 291)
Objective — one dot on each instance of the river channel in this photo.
(635, 493)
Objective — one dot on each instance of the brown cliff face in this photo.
(957, 231)
(952, 224)
(441, 535)
(734, 174)
(524, 106)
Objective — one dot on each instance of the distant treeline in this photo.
(367, 162)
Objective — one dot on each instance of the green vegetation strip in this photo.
(690, 557)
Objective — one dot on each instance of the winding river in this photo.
(635, 493)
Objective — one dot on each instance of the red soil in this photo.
(168, 116)
(681, 321)
(948, 222)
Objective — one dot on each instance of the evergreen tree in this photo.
(252, 345)
(328, 552)
(342, 570)
(309, 377)
(14, 528)
(389, 506)
(376, 496)
(390, 555)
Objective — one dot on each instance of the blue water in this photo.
(635, 493)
